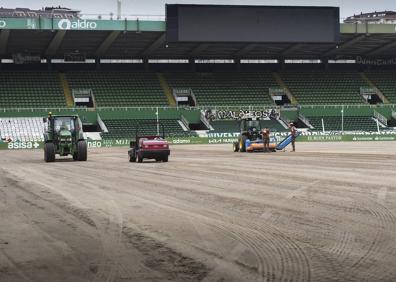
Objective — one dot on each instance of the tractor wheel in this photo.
(49, 152)
(132, 158)
(82, 151)
(165, 159)
(242, 143)
(235, 146)
(139, 159)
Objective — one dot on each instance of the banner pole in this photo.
(157, 114)
(342, 120)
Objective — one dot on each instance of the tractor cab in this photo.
(64, 124)
(250, 137)
(251, 128)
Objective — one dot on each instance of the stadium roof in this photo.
(125, 39)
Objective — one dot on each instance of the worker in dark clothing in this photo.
(266, 139)
(293, 132)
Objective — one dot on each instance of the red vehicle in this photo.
(149, 147)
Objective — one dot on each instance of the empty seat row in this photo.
(324, 87)
(30, 89)
(127, 128)
(112, 89)
(230, 126)
(226, 88)
(348, 123)
(22, 129)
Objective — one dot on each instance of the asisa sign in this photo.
(3, 24)
(23, 145)
(78, 24)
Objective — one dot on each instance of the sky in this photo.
(157, 7)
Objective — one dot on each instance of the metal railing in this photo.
(162, 17)
(113, 16)
(74, 14)
(380, 117)
(201, 107)
(347, 106)
(184, 121)
(205, 120)
(305, 120)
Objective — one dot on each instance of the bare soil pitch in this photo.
(325, 213)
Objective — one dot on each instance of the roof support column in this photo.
(55, 43)
(334, 50)
(197, 50)
(325, 62)
(146, 64)
(193, 65)
(4, 34)
(237, 64)
(292, 48)
(49, 64)
(105, 45)
(97, 63)
(245, 50)
(281, 63)
(159, 42)
(378, 50)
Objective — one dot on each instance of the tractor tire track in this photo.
(285, 248)
(332, 232)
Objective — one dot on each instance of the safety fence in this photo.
(204, 107)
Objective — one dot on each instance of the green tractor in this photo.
(64, 136)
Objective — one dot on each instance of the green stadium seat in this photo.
(318, 87)
(351, 123)
(385, 81)
(30, 89)
(126, 128)
(118, 88)
(232, 89)
(228, 126)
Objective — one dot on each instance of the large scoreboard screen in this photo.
(254, 24)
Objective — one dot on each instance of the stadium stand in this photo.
(225, 126)
(128, 90)
(119, 88)
(335, 110)
(226, 88)
(126, 128)
(385, 81)
(351, 123)
(273, 125)
(356, 117)
(386, 111)
(324, 87)
(29, 89)
(22, 129)
(233, 125)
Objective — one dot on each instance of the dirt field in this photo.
(325, 213)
